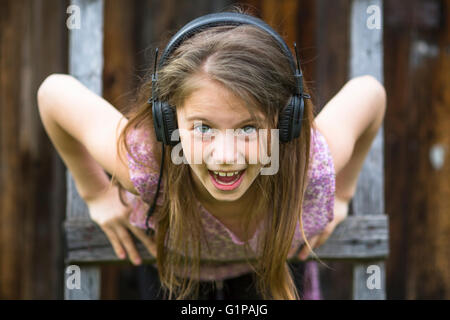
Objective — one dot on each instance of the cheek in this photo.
(252, 152)
(265, 142)
(192, 148)
(257, 150)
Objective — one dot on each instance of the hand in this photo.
(111, 215)
(340, 213)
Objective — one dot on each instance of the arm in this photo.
(82, 127)
(350, 122)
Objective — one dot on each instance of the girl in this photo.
(218, 220)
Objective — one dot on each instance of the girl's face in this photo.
(219, 141)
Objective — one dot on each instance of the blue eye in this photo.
(248, 130)
(201, 131)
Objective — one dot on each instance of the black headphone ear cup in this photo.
(299, 107)
(288, 125)
(169, 123)
(158, 120)
(284, 123)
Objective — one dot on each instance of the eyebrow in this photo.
(197, 117)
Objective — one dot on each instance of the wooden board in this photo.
(86, 64)
(356, 238)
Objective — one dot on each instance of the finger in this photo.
(146, 240)
(127, 241)
(115, 242)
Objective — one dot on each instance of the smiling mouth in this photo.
(226, 180)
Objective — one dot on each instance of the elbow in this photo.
(380, 100)
(378, 92)
(371, 83)
(44, 90)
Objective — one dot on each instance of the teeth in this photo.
(223, 174)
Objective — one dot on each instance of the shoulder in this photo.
(143, 164)
(330, 145)
(318, 202)
(321, 161)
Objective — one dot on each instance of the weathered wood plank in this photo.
(14, 215)
(86, 64)
(86, 45)
(357, 237)
(32, 45)
(366, 57)
(332, 38)
(328, 57)
(119, 67)
(417, 147)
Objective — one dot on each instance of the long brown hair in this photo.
(248, 62)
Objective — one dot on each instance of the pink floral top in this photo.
(224, 245)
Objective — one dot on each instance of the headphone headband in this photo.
(222, 19)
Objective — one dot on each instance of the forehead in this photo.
(212, 98)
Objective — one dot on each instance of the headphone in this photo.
(164, 115)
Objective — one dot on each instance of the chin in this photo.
(225, 196)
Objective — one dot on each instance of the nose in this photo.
(224, 149)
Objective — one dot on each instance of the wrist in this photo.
(341, 206)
